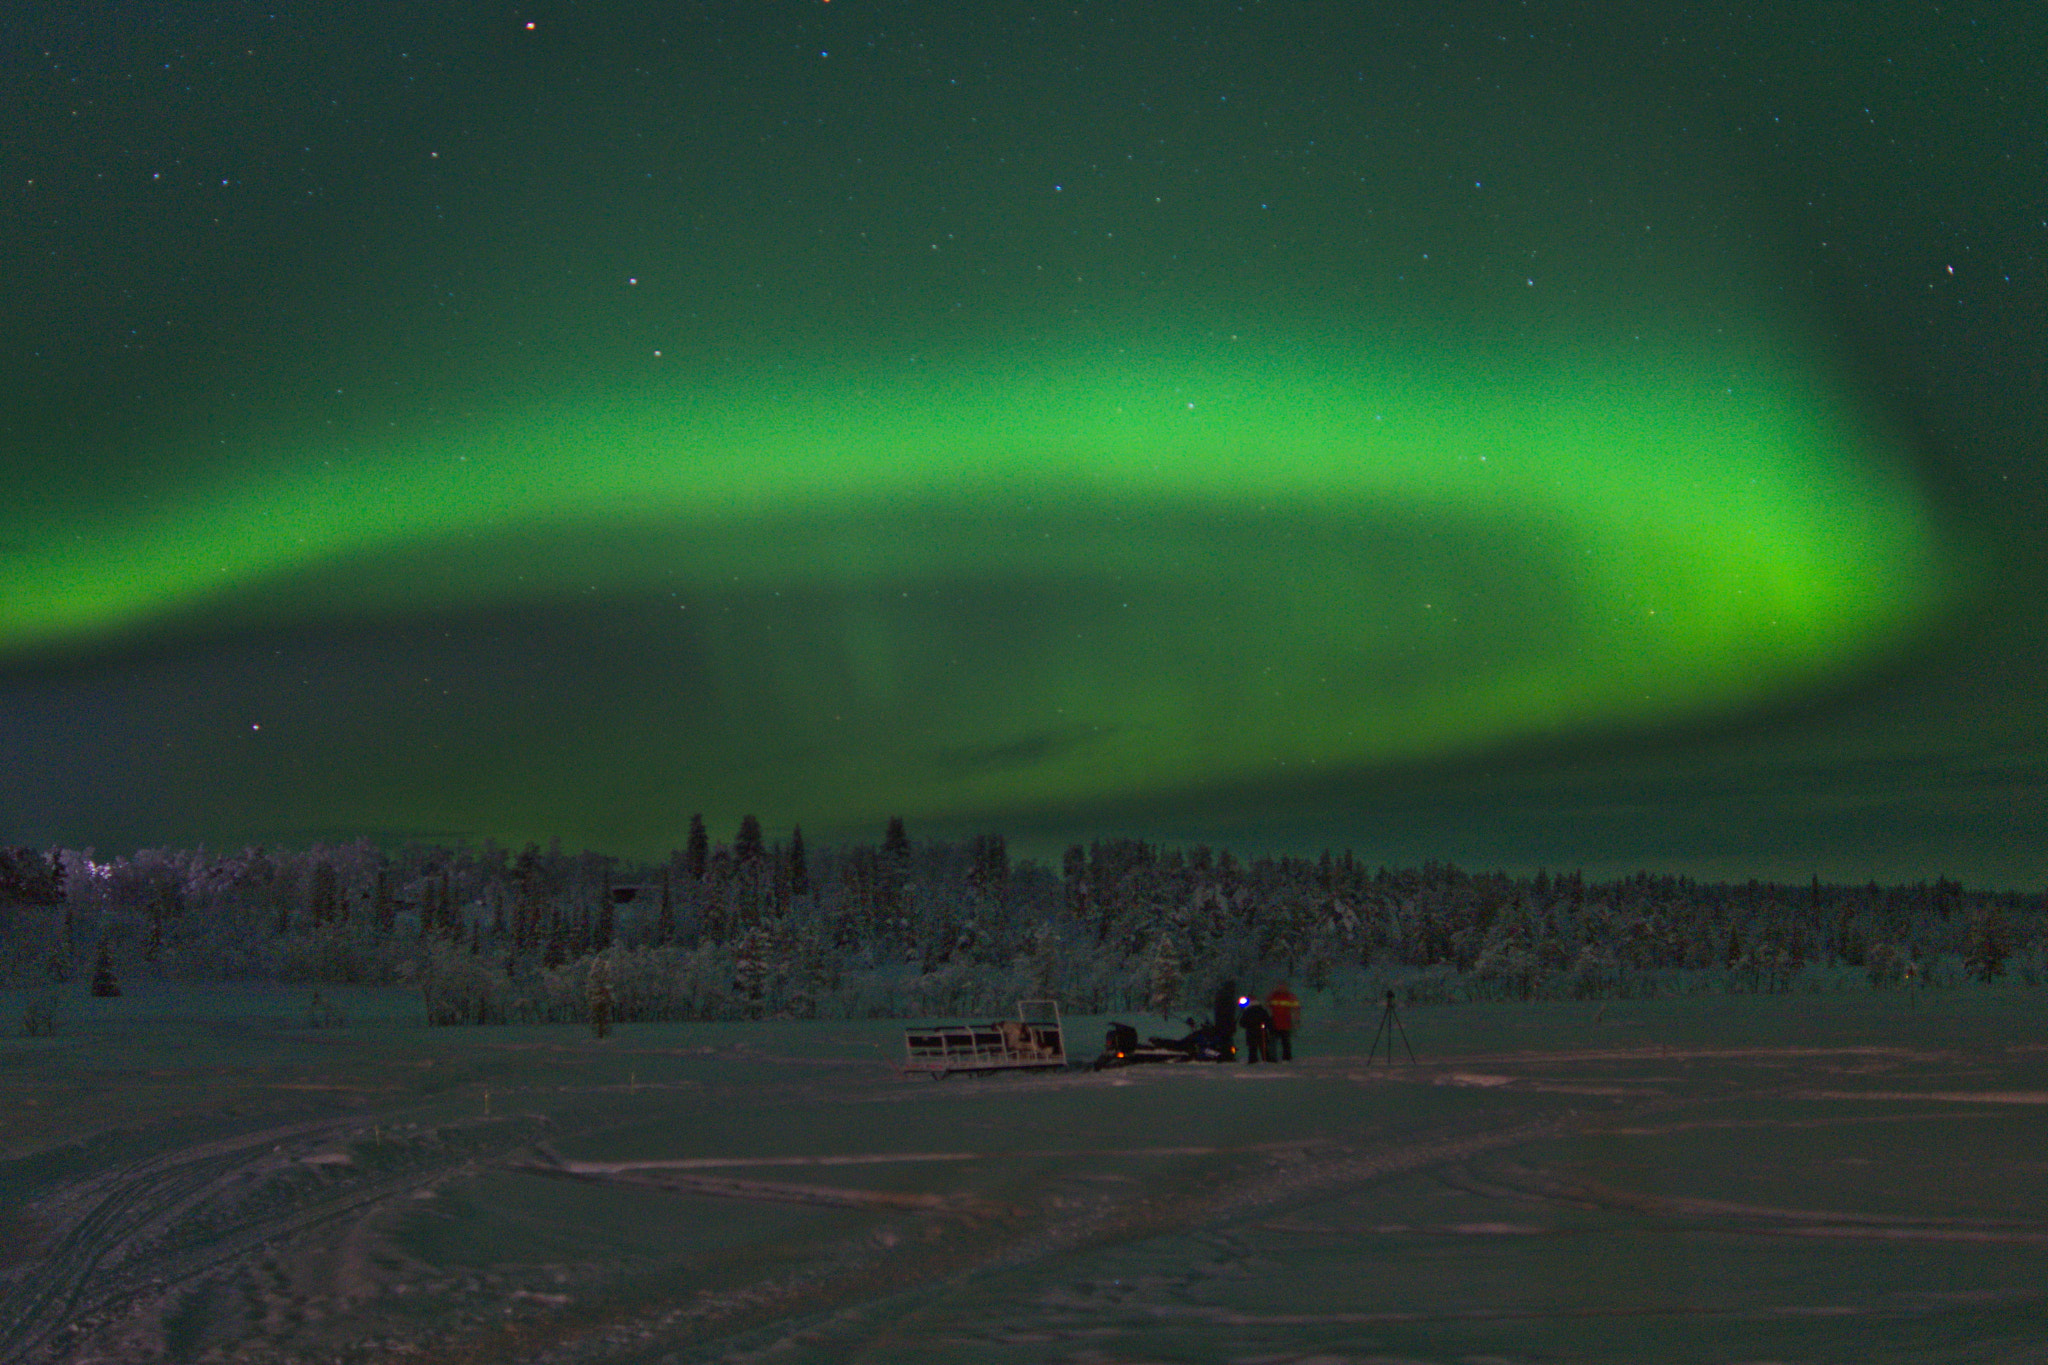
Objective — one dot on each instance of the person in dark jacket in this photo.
(1226, 1015)
(1255, 1019)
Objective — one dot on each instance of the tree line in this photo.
(750, 928)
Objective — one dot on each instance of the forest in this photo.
(753, 929)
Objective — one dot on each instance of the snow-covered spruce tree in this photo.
(1168, 973)
(1507, 960)
(750, 953)
(459, 989)
(2031, 961)
(1595, 974)
(1986, 943)
(815, 971)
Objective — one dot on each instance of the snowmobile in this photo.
(1202, 1043)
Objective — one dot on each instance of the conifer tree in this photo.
(799, 871)
(29, 878)
(697, 852)
(383, 903)
(747, 846)
(1165, 974)
(103, 982)
(1074, 876)
(989, 864)
(556, 948)
(526, 903)
(323, 894)
(895, 866)
(750, 966)
(1986, 944)
(1041, 960)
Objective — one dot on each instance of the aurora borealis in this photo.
(1528, 553)
(1429, 435)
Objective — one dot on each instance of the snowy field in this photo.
(199, 1176)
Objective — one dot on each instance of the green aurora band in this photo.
(1064, 577)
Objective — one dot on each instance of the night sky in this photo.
(1494, 433)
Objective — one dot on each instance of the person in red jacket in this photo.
(1284, 1010)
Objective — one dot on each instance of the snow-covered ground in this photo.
(199, 1176)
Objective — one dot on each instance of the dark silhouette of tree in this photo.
(859, 896)
(1948, 897)
(1074, 874)
(103, 982)
(556, 949)
(529, 899)
(746, 845)
(697, 852)
(895, 867)
(439, 915)
(28, 878)
(799, 870)
(988, 864)
(323, 894)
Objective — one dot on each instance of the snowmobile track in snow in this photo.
(140, 1234)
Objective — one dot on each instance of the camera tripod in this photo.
(1390, 1023)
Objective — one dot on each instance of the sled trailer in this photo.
(1033, 1041)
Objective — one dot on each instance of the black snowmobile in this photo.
(1202, 1043)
